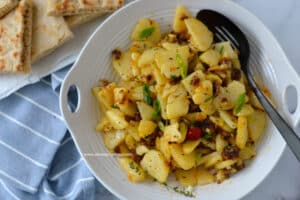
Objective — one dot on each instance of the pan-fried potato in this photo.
(145, 110)
(116, 119)
(242, 132)
(122, 65)
(181, 13)
(113, 139)
(187, 177)
(256, 124)
(146, 128)
(204, 177)
(181, 106)
(184, 161)
(190, 146)
(146, 29)
(201, 37)
(134, 172)
(156, 165)
(210, 57)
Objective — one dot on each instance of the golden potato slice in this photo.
(122, 65)
(113, 139)
(181, 13)
(146, 29)
(256, 124)
(187, 177)
(242, 132)
(134, 172)
(184, 161)
(156, 165)
(146, 127)
(210, 57)
(116, 119)
(201, 37)
(204, 177)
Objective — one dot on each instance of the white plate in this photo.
(60, 58)
(267, 59)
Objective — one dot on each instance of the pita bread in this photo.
(75, 7)
(6, 6)
(76, 20)
(15, 43)
(49, 32)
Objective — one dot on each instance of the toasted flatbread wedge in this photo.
(6, 6)
(15, 43)
(75, 7)
(49, 32)
(76, 20)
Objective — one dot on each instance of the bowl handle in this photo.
(68, 110)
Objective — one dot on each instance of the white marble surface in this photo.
(282, 17)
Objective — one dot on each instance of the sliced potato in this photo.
(156, 165)
(204, 177)
(113, 139)
(220, 143)
(181, 14)
(247, 153)
(201, 37)
(147, 57)
(246, 110)
(164, 147)
(190, 145)
(179, 107)
(192, 81)
(146, 29)
(172, 133)
(134, 172)
(184, 161)
(242, 132)
(116, 119)
(122, 65)
(130, 142)
(225, 164)
(235, 90)
(104, 96)
(132, 130)
(225, 49)
(256, 124)
(230, 120)
(187, 177)
(141, 150)
(210, 57)
(203, 93)
(254, 101)
(146, 128)
(145, 110)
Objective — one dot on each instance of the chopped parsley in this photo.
(222, 49)
(114, 106)
(207, 136)
(208, 99)
(182, 66)
(147, 94)
(240, 103)
(157, 108)
(136, 168)
(184, 191)
(147, 32)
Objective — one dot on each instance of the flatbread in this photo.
(75, 7)
(76, 20)
(49, 32)
(6, 6)
(15, 39)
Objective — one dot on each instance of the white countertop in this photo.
(282, 17)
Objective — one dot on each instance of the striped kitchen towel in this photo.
(38, 157)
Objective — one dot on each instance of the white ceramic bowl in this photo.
(267, 60)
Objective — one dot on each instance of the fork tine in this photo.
(227, 38)
(219, 37)
(229, 35)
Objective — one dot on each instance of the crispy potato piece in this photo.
(181, 13)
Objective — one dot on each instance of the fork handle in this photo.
(285, 130)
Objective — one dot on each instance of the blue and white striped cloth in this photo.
(38, 159)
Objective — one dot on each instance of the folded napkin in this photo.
(38, 157)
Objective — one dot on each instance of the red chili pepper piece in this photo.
(194, 133)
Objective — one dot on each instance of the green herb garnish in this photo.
(136, 168)
(161, 126)
(156, 106)
(131, 165)
(182, 65)
(147, 94)
(147, 32)
(222, 49)
(208, 99)
(114, 106)
(179, 190)
(207, 136)
(240, 103)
